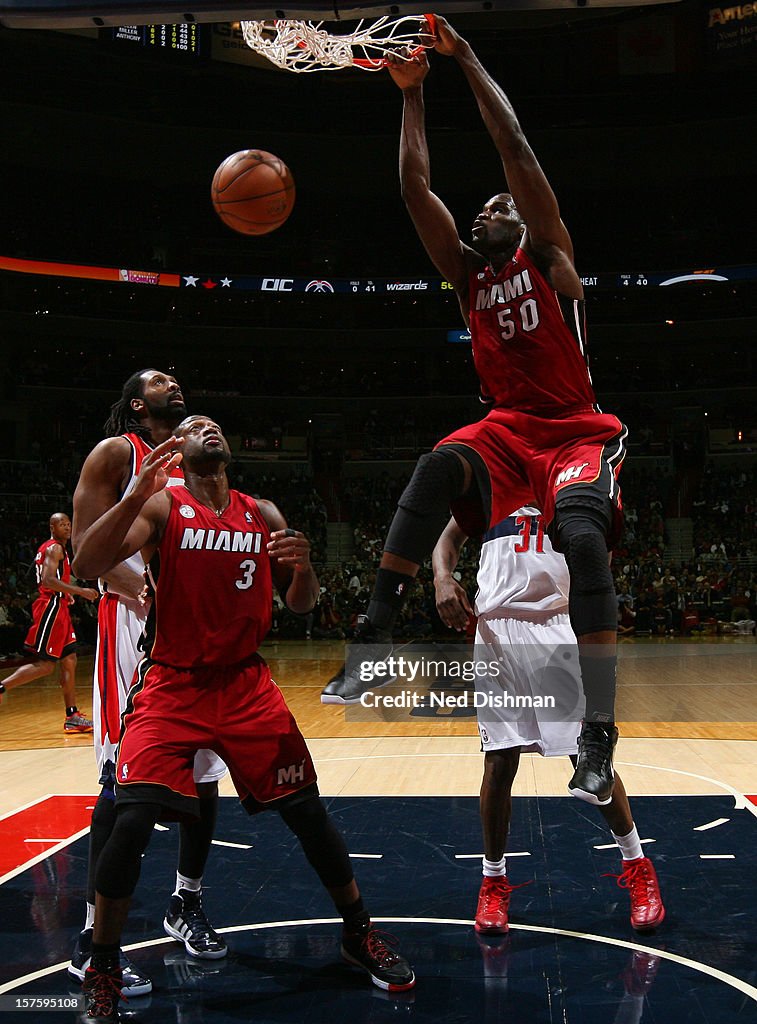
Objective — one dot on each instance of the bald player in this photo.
(51, 636)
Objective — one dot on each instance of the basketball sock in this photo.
(388, 596)
(190, 884)
(71, 711)
(599, 682)
(356, 918)
(495, 868)
(630, 845)
(105, 956)
(89, 920)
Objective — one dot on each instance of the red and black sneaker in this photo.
(102, 991)
(493, 905)
(371, 951)
(640, 878)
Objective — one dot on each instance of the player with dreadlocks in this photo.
(150, 407)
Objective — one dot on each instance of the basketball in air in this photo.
(253, 192)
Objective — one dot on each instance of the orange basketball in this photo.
(253, 192)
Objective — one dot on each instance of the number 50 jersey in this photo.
(212, 580)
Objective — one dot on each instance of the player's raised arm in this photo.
(101, 484)
(451, 600)
(433, 221)
(291, 568)
(526, 180)
(136, 522)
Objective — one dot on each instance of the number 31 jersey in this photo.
(520, 575)
(212, 580)
(528, 341)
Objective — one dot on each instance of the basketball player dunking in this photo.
(214, 555)
(544, 438)
(150, 406)
(523, 627)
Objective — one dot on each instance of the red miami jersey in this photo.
(212, 580)
(528, 341)
(63, 572)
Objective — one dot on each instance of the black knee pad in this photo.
(423, 509)
(592, 602)
(322, 842)
(440, 472)
(101, 826)
(104, 811)
(120, 861)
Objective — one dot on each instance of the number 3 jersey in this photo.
(520, 575)
(529, 344)
(212, 580)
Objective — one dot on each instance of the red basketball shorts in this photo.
(527, 459)
(237, 711)
(51, 634)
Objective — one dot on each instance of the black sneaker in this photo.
(593, 780)
(133, 982)
(369, 950)
(348, 685)
(102, 991)
(185, 920)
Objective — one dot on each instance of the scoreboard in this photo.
(182, 39)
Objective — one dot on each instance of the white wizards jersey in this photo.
(520, 574)
(139, 449)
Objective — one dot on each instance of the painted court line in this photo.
(233, 846)
(710, 824)
(614, 846)
(478, 856)
(695, 965)
(717, 856)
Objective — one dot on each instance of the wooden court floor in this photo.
(710, 748)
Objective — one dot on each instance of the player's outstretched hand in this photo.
(452, 603)
(408, 74)
(290, 547)
(89, 593)
(156, 468)
(447, 40)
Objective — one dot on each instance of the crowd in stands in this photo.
(711, 591)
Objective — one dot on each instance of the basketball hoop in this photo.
(306, 46)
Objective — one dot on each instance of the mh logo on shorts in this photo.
(571, 473)
(293, 773)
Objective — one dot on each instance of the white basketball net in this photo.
(304, 46)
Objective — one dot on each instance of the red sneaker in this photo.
(640, 973)
(493, 904)
(640, 878)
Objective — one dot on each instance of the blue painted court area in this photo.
(571, 955)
